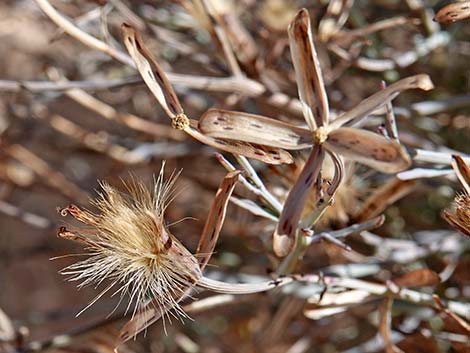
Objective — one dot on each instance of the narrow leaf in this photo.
(308, 73)
(253, 207)
(242, 288)
(381, 98)
(254, 129)
(418, 278)
(270, 155)
(285, 234)
(462, 171)
(215, 219)
(369, 148)
(150, 71)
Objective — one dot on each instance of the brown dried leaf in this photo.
(369, 148)
(418, 278)
(384, 196)
(417, 343)
(308, 73)
(215, 219)
(285, 234)
(254, 129)
(385, 310)
(454, 12)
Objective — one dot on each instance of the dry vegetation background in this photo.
(54, 150)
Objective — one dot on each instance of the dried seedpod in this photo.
(322, 135)
(161, 88)
(459, 216)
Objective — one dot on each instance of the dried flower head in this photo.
(323, 136)
(130, 245)
(459, 216)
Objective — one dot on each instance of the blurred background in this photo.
(58, 139)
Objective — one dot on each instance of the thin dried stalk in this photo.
(83, 37)
(91, 140)
(346, 38)
(336, 16)
(28, 218)
(47, 174)
(48, 86)
(385, 311)
(108, 112)
(221, 32)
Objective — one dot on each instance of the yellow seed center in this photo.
(180, 121)
(320, 135)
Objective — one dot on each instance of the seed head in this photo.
(129, 244)
(459, 216)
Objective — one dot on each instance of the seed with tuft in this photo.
(129, 244)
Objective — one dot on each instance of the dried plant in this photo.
(359, 145)
(336, 217)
